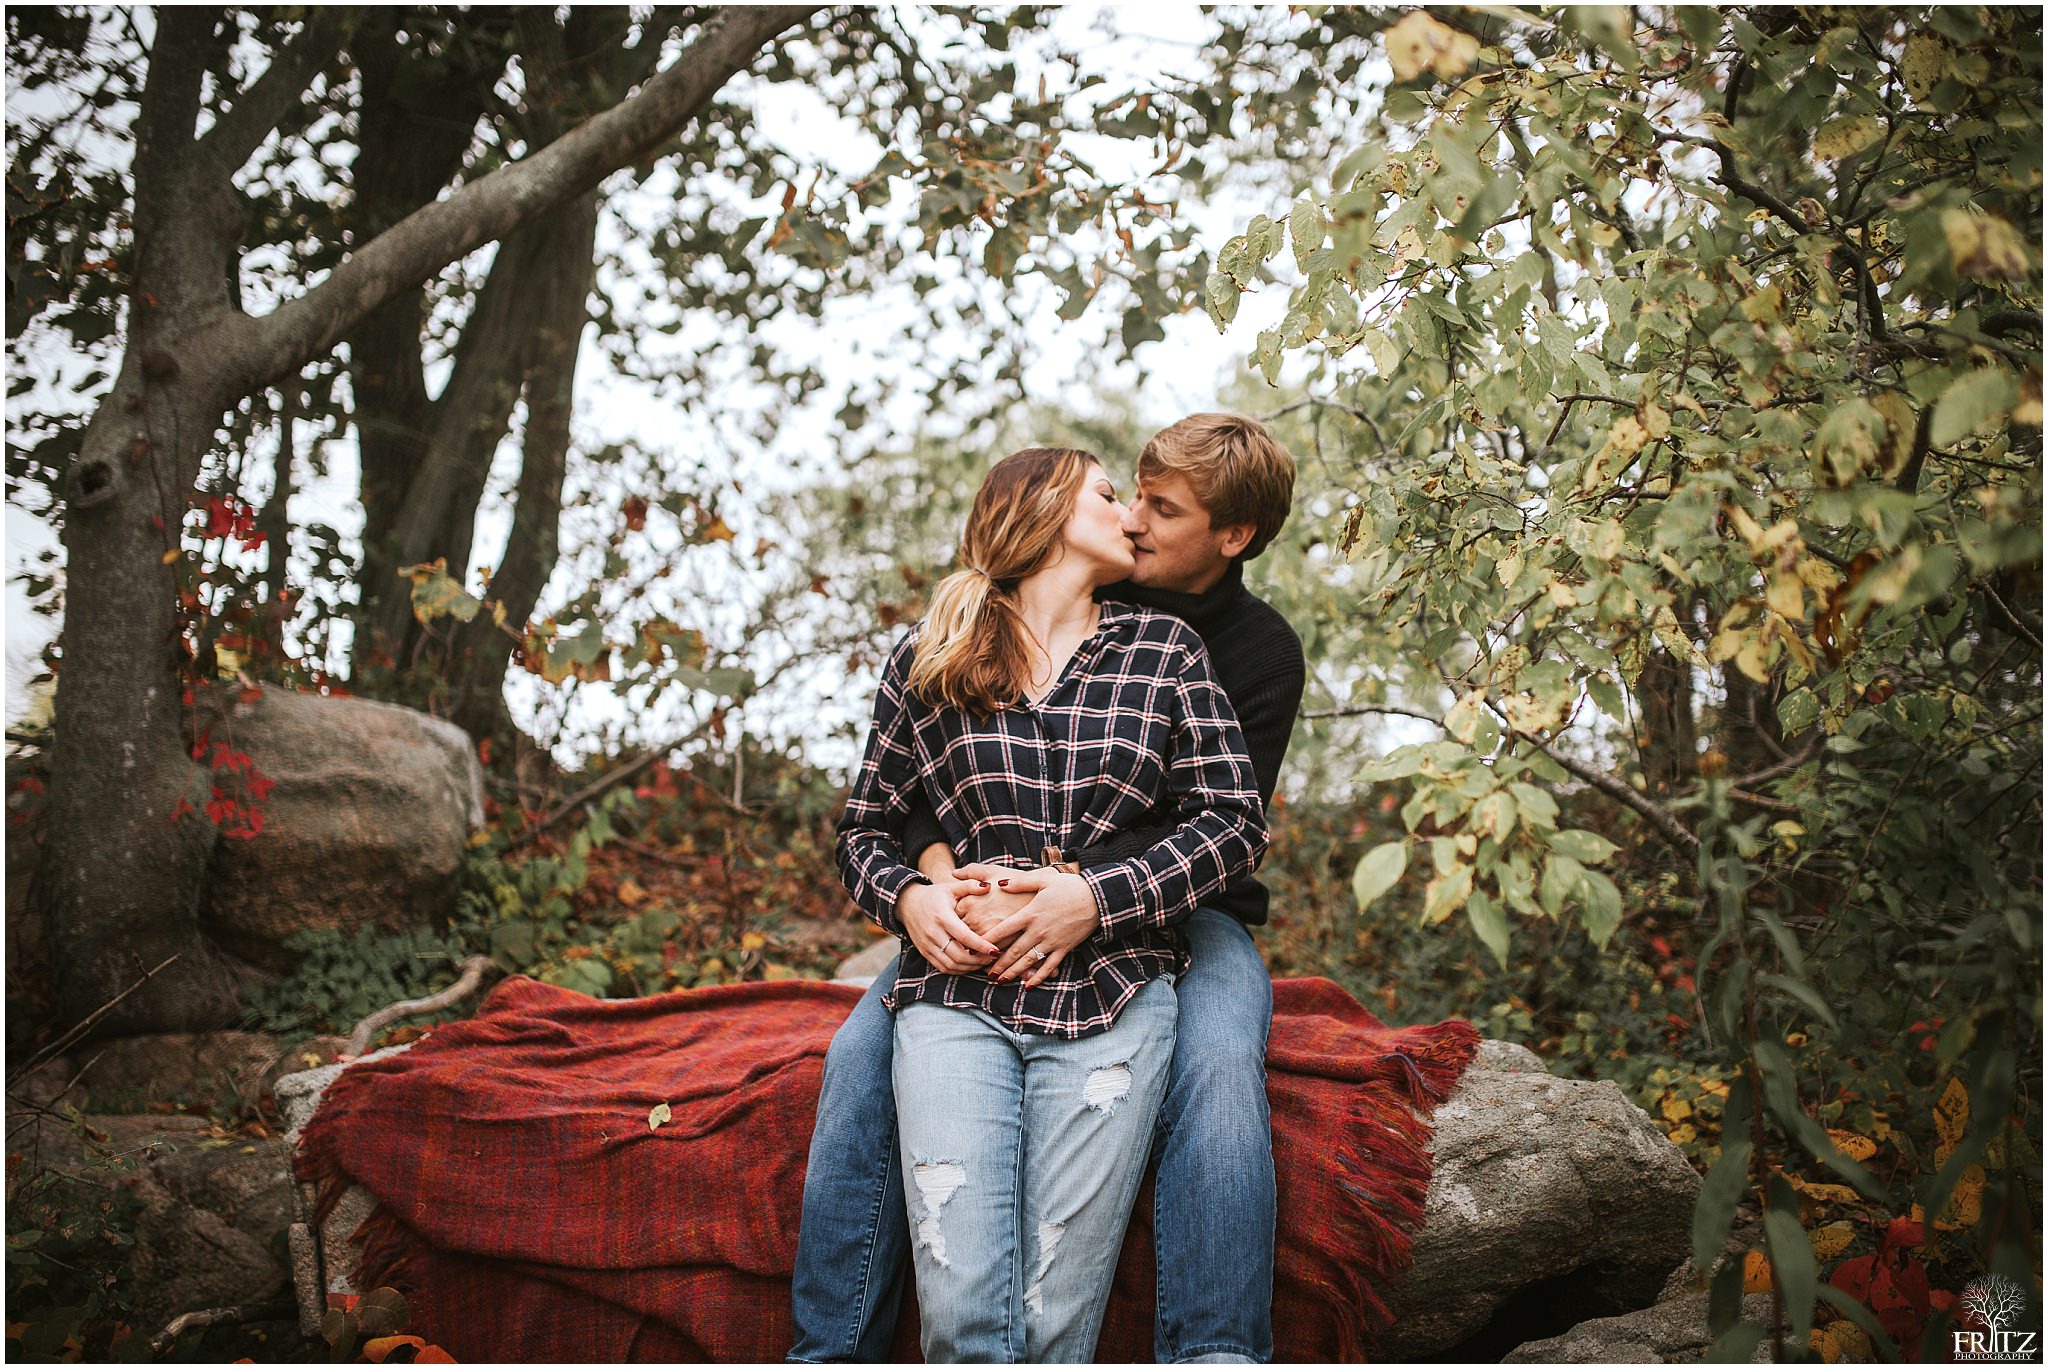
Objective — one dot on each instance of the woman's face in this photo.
(1095, 529)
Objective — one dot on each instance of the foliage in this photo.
(70, 1235)
(1691, 370)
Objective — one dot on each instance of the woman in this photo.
(1036, 721)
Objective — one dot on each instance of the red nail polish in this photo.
(1003, 883)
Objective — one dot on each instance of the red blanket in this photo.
(529, 1212)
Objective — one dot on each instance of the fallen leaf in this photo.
(656, 1117)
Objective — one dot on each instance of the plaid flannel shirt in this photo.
(1136, 722)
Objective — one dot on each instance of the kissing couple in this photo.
(1059, 811)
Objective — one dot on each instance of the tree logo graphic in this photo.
(1994, 1300)
(1992, 1305)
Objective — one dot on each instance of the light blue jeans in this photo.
(1213, 1204)
(1021, 1157)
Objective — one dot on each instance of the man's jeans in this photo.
(1023, 1154)
(1213, 1202)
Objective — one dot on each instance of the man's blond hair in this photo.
(1236, 469)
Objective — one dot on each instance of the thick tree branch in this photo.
(237, 134)
(487, 209)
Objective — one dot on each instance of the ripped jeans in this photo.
(1022, 1156)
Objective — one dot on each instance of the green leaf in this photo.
(1586, 847)
(382, 1312)
(1713, 1213)
(1969, 401)
(1791, 1258)
(1490, 921)
(1489, 204)
(1802, 993)
(1306, 228)
(1378, 871)
(1798, 710)
(1601, 909)
(1562, 877)
(436, 595)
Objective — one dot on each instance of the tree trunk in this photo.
(122, 870)
(1670, 735)
(480, 652)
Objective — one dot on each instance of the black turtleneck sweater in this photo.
(1258, 661)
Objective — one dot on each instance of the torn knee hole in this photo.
(1106, 1087)
(937, 1182)
(1049, 1234)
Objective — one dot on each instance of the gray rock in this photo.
(208, 1069)
(861, 967)
(188, 1258)
(367, 823)
(1557, 1190)
(1670, 1331)
(247, 1184)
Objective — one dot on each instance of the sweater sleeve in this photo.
(1221, 829)
(1265, 713)
(870, 848)
(921, 829)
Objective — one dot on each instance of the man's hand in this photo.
(935, 862)
(1060, 916)
(947, 943)
(987, 910)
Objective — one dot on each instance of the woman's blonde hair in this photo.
(974, 651)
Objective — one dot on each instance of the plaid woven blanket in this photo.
(529, 1211)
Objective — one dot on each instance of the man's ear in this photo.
(1236, 538)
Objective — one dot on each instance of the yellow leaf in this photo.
(1924, 64)
(1683, 1134)
(1965, 1203)
(753, 941)
(1628, 436)
(1951, 1118)
(1850, 1144)
(1846, 137)
(1656, 422)
(1784, 595)
(1832, 1239)
(715, 531)
(1421, 42)
(1446, 894)
(1676, 1109)
(1756, 1272)
(171, 555)
(1823, 1193)
(1985, 247)
(1751, 661)
(631, 894)
(657, 1116)
(1765, 305)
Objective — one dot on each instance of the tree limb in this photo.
(367, 1029)
(1660, 818)
(218, 1316)
(237, 134)
(487, 209)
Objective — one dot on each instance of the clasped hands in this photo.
(995, 920)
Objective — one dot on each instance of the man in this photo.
(1213, 491)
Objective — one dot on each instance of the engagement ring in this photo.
(1039, 954)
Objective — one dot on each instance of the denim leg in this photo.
(960, 1113)
(1090, 1106)
(852, 1242)
(1213, 1204)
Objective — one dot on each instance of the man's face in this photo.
(1176, 546)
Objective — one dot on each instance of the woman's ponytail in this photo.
(973, 651)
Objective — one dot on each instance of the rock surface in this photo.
(367, 823)
(1552, 1202)
(1672, 1330)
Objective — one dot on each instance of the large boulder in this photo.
(372, 807)
(1551, 1201)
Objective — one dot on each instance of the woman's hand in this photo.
(988, 909)
(1060, 916)
(948, 944)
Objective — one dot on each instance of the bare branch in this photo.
(487, 209)
(1660, 818)
(237, 134)
(367, 1029)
